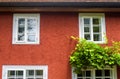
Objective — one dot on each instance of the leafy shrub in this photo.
(90, 54)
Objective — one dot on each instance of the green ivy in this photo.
(90, 54)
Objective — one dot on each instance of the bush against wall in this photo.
(89, 54)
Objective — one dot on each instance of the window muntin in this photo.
(25, 72)
(106, 73)
(92, 27)
(26, 29)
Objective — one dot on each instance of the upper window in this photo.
(106, 73)
(26, 28)
(25, 72)
(92, 27)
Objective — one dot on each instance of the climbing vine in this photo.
(89, 54)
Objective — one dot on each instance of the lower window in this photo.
(106, 73)
(25, 72)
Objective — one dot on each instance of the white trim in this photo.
(28, 15)
(5, 68)
(98, 15)
(114, 72)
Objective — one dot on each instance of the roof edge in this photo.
(62, 4)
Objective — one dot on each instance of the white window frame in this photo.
(114, 72)
(103, 28)
(15, 27)
(5, 69)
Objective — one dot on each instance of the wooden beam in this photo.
(56, 9)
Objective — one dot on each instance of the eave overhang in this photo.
(59, 6)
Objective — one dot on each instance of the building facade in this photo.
(35, 38)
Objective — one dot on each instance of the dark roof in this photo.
(59, 0)
(62, 4)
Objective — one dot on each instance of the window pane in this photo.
(30, 78)
(86, 29)
(19, 73)
(98, 78)
(30, 73)
(11, 78)
(79, 75)
(31, 38)
(88, 73)
(38, 78)
(39, 72)
(96, 37)
(18, 78)
(96, 21)
(86, 20)
(31, 27)
(98, 73)
(107, 72)
(21, 29)
(87, 36)
(21, 37)
(96, 29)
(11, 73)
(21, 25)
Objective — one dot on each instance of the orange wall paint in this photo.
(55, 43)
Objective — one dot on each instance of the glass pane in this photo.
(21, 37)
(98, 78)
(18, 78)
(31, 38)
(98, 73)
(39, 72)
(79, 75)
(11, 73)
(86, 20)
(96, 29)
(88, 73)
(30, 73)
(96, 37)
(11, 78)
(30, 78)
(107, 78)
(87, 78)
(96, 21)
(31, 25)
(21, 25)
(79, 78)
(86, 29)
(107, 72)
(21, 21)
(19, 73)
(21, 29)
(38, 78)
(87, 36)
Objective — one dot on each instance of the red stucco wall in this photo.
(54, 48)
(113, 30)
(55, 43)
(113, 26)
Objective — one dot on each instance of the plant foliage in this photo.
(90, 54)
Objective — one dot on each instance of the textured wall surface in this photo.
(55, 43)
(54, 48)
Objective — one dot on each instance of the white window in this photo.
(92, 27)
(25, 72)
(106, 73)
(26, 28)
